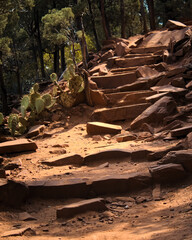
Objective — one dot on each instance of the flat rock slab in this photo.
(119, 113)
(125, 137)
(69, 211)
(120, 183)
(167, 173)
(154, 98)
(141, 85)
(97, 128)
(35, 130)
(65, 159)
(18, 232)
(173, 25)
(19, 145)
(170, 89)
(141, 50)
(107, 155)
(183, 157)
(137, 61)
(181, 132)
(56, 189)
(116, 80)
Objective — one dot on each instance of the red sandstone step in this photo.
(120, 183)
(129, 98)
(73, 188)
(144, 50)
(64, 159)
(19, 145)
(70, 210)
(113, 81)
(119, 113)
(137, 61)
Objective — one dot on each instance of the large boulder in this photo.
(183, 157)
(155, 114)
(121, 49)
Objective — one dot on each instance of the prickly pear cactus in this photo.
(13, 121)
(36, 87)
(39, 105)
(67, 100)
(76, 84)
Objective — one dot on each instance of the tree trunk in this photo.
(56, 60)
(2, 88)
(17, 70)
(93, 25)
(103, 17)
(63, 63)
(40, 50)
(35, 58)
(150, 4)
(142, 9)
(122, 9)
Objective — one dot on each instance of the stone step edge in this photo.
(105, 155)
(126, 183)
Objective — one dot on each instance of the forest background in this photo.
(35, 35)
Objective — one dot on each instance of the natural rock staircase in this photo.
(122, 87)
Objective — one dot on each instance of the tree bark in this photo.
(150, 4)
(17, 70)
(38, 37)
(123, 25)
(142, 9)
(35, 57)
(56, 60)
(103, 17)
(93, 25)
(63, 63)
(2, 88)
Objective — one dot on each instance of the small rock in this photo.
(59, 151)
(97, 138)
(35, 130)
(19, 232)
(125, 137)
(25, 216)
(12, 165)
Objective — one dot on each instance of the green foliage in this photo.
(57, 25)
(74, 81)
(1, 118)
(39, 105)
(31, 106)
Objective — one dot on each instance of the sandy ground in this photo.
(134, 217)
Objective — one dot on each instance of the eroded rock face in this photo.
(167, 173)
(183, 157)
(155, 114)
(12, 193)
